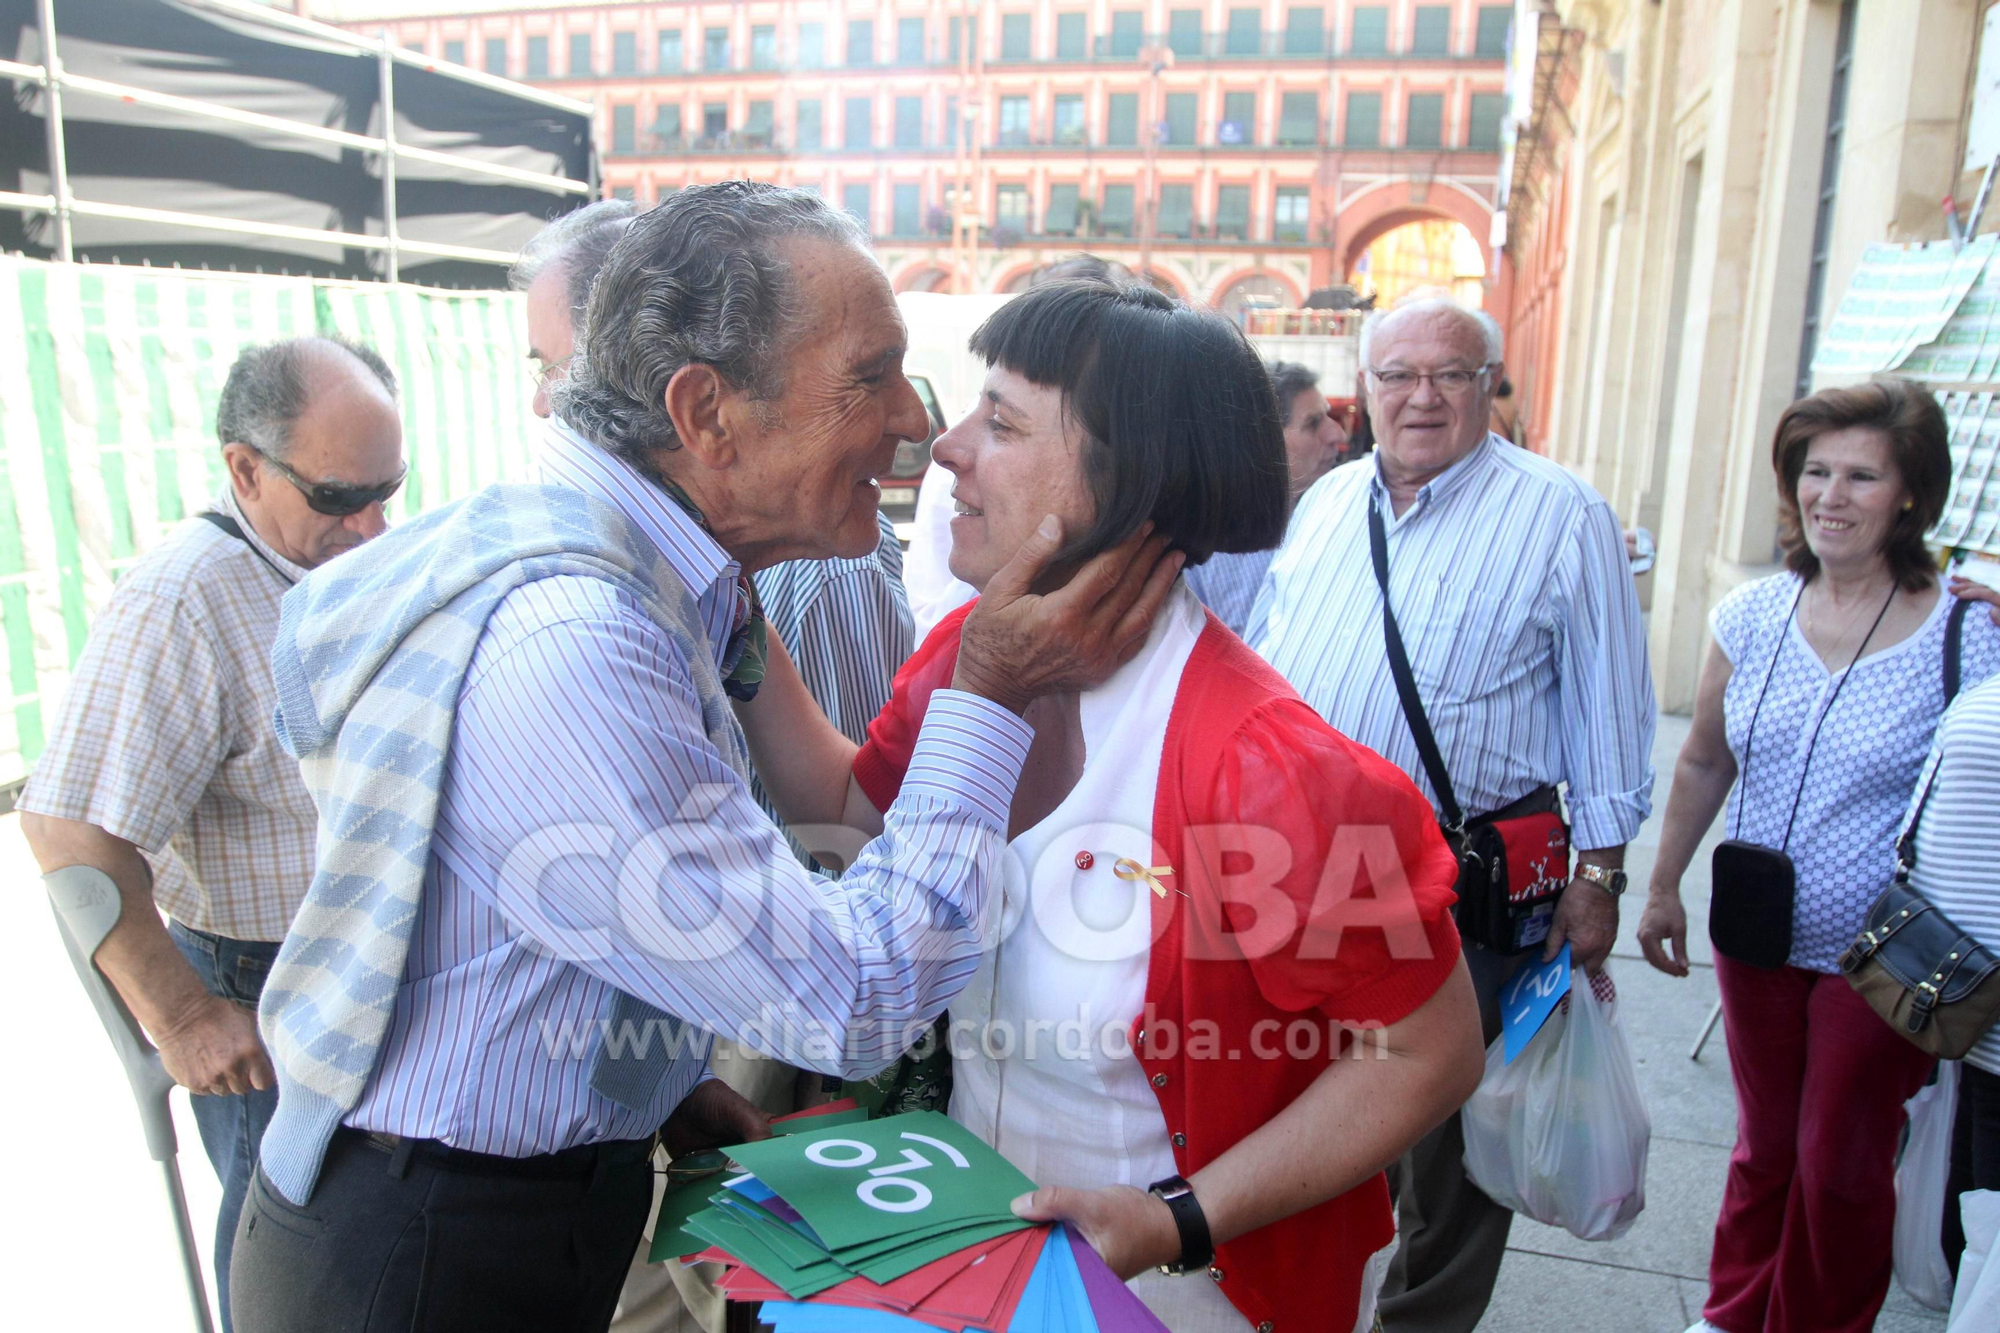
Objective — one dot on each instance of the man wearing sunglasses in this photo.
(164, 772)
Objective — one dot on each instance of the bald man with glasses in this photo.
(165, 773)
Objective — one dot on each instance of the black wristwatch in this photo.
(1196, 1247)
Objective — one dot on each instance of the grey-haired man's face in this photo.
(551, 340)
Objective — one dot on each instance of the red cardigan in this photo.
(1317, 891)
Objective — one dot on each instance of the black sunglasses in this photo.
(332, 498)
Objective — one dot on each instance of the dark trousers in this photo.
(231, 1127)
(1975, 1151)
(1453, 1237)
(397, 1239)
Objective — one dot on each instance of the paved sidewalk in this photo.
(1655, 1277)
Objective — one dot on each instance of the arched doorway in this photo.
(1426, 256)
(927, 279)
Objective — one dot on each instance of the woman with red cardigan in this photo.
(1225, 990)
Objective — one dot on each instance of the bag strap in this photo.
(1406, 682)
(224, 523)
(1954, 632)
(1954, 636)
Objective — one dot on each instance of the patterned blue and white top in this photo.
(1871, 747)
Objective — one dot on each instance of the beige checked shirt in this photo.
(166, 738)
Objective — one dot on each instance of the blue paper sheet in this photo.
(1528, 999)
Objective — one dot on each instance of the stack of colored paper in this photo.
(901, 1223)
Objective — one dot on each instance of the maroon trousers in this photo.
(1803, 1242)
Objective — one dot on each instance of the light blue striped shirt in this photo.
(1228, 584)
(846, 625)
(1516, 604)
(589, 837)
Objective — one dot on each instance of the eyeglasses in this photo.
(331, 497)
(544, 376)
(1445, 381)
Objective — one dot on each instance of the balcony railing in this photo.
(767, 141)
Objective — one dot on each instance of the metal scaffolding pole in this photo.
(386, 67)
(58, 161)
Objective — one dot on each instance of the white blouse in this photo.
(1047, 1075)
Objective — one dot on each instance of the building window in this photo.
(909, 122)
(624, 53)
(1371, 31)
(538, 57)
(1245, 32)
(670, 52)
(623, 192)
(1483, 132)
(1181, 109)
(1290, 219)
(1298, 119)
(1305, 32)
(1011, 208)
(758, 127)
(1121, 120)
(854, 198)
(909, 44)
(1184, 32)
(1239, 119)
(1127, 33)
(855, 130)
(624, 129)
(861, 41)
(808, 131)
(907, 218)
(1364, 120)
(579, 55)
(763, 47)
(1013, 122)
(1069, 119)
(1069, 37)
(1060, 220)
(714, 122)
(1115, 219)
(1176, 217)
(956, 35)
(1495, 21)
(1015, 33)
(1430, 34)
(1425, 127)
(715, 48)
(496, 56)
(1232, 212)
(667, 128)
(812, 46)
(951, 122)
(455, 52)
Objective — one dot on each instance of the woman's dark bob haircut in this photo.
(1910, 420)
(1181, 423)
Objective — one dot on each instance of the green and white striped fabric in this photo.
(108, 383)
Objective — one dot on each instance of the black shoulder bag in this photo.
(225, 524)
(1752, 886)
(1513, 863)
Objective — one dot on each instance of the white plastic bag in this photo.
(1920, 1185)
(1561, 1134)
(1975, 1308)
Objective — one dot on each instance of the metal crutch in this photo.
(1708, 1028)
(87, 905)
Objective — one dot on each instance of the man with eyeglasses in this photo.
(1508, 584)
(165, 772)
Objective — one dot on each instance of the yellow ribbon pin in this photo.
(1129, 870)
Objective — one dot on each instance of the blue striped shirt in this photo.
(589, 837)
(847, 626)
(1228, 584)
(1516, 605)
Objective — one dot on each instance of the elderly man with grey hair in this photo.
(164, 772)
(1463, 607)
(544, 878)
